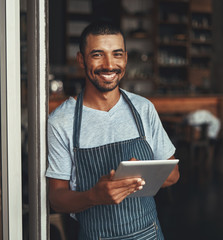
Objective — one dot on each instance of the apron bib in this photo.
(133, 218)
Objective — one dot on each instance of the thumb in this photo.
(108, 176)
(133, 159)
(112, 173)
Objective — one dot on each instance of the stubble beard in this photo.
(99, 86)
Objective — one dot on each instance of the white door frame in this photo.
(10, 119)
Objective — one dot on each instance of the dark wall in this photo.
(57, 23)
(102, 9)
(217, 64)
(109, 10)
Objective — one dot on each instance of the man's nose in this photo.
(108, 63)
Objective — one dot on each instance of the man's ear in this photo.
(80, 59)
(126, 57)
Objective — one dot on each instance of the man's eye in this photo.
(96, 55)
(118, 54)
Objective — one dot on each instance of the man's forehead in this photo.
(111, 41)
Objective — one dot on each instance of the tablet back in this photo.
(154, 172)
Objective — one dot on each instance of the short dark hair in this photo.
(98, 28)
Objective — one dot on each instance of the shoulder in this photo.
(63, 113)
(140, 103)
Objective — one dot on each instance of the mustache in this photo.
(104, 70)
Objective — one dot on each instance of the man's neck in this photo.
(102, 101)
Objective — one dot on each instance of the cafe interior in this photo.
(175, 60)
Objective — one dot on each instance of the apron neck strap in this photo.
(78, 117)
(136, 115)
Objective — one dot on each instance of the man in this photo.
(90, 134)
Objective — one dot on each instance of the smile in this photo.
(108, 77)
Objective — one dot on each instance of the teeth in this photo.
(108, 77)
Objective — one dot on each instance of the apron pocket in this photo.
(145, 234)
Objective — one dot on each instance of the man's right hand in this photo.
(109, 191)
(106, 191)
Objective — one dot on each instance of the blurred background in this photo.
(175, 60)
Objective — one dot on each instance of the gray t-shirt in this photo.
(100, 128)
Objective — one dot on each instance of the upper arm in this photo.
(59, 153)
(57, 184)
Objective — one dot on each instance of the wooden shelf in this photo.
(201, 55)
(173, 65)
(173, 105)
(173, 84)
(183, 18)
(202, 28)
(171, 29)
(206, 42)
(201, 6)
(174, 23)
(173, 43)
(137, 15)
(174, 1)
(197, 76)
(138, 35)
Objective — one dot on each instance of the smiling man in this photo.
(90, 134)
(99, 61)
(104, 60)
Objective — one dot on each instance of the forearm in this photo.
(67, 201)
(106, 191)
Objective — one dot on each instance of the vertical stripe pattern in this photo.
(132, 215)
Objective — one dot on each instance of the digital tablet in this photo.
(154, 172)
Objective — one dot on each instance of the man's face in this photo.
(105, 61)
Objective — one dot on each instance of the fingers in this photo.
(121, 193)
(108, 191)
(126, 182)
(125, 188)
(133, 159)
(131, 188)
(122, 183)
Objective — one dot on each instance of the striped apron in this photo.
(134, 218)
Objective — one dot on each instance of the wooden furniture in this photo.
(183, 48)
(136, 22)
(55, 102)
(168, 43)
(198, 151)
(78, 15)
(184, 105)
(173, 105)
(174, 109)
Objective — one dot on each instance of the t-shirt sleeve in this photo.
(162, 145)
(59, 158)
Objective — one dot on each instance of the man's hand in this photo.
(108, 191)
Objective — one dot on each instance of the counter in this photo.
(173, 105)
(184, 105)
